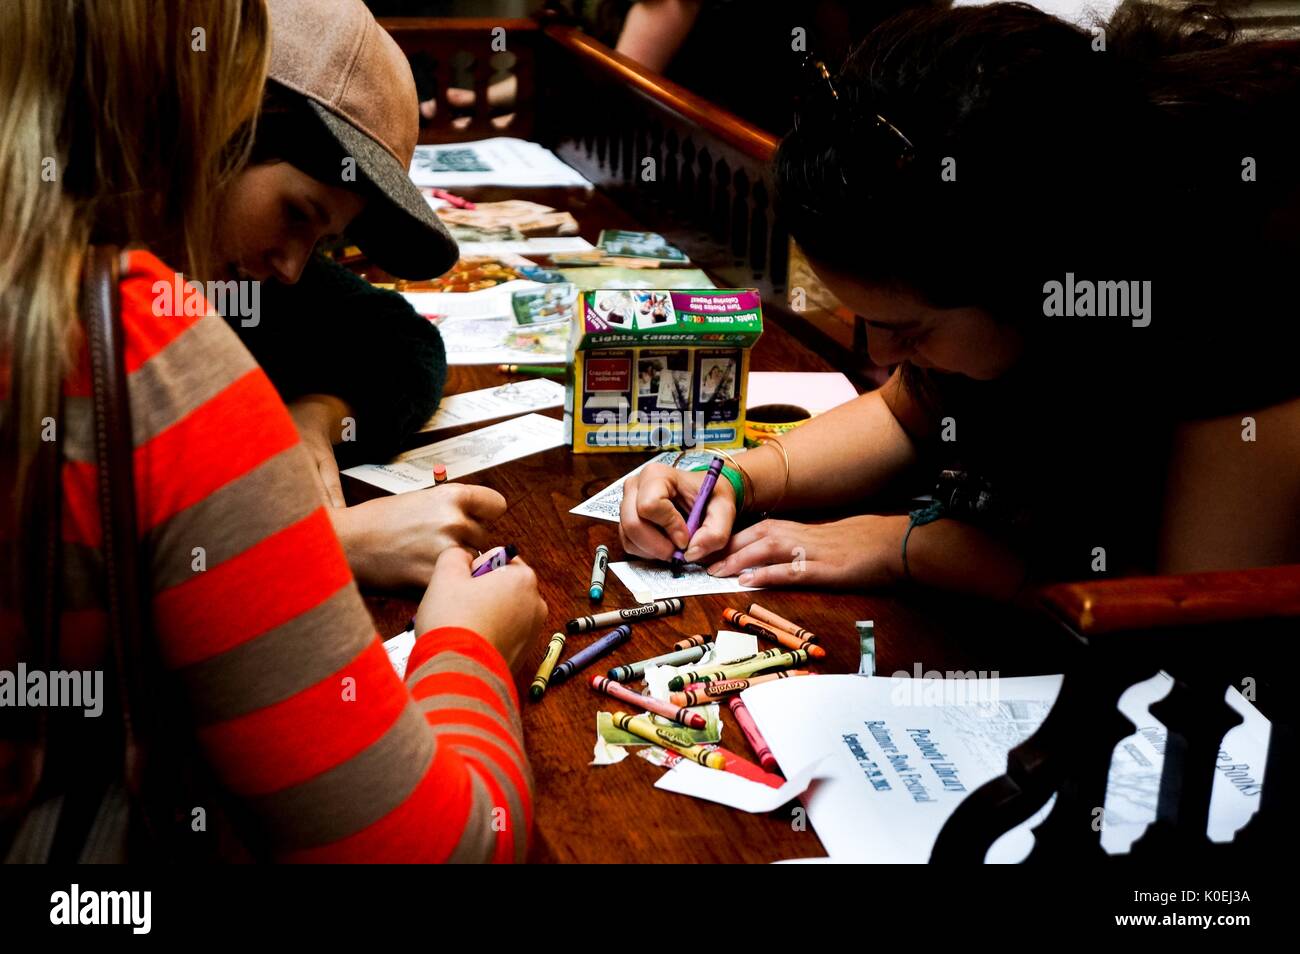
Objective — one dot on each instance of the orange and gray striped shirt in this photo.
(296, 704)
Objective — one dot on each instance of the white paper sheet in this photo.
(881, 796)
(655, 581)
(814, 391)
(540, 245)
(514, 397)
(494, 302)
(399, 650)
(734, 791)
(604, 505)
(499, 161)
(464, 454)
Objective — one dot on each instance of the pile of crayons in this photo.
(793, 646)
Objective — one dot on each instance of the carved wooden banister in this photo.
(1209, 631)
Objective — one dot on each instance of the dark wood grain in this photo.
(612, 813)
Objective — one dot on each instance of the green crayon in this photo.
(740, 670)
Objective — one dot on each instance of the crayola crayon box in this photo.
(660, 368)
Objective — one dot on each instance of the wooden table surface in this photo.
(585, 813)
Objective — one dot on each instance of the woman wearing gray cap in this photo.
(357, 366)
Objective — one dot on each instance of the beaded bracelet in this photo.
(919, 518)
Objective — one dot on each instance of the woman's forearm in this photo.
(956, 556)
(849, 452)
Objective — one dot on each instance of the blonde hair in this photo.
(120, 121)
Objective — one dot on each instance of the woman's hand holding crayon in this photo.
(854, 553)
(394, 542)
(504, 606)
(651, 522)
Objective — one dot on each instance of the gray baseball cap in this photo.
(357, 81)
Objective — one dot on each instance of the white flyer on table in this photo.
(538, 245)
(513, 397)
(501, 161)
(655, 581)
(605, 504)
(900, 754)
(465, 454)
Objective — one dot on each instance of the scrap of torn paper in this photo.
(399, 649)
(728, 788)
(465, 454)
(605, 504)
(606, 753)
(514, 397)
(655, 581)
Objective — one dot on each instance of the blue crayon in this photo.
(585, 657)
(598, 572)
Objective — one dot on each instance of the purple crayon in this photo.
(697, 511)
(585, 657)
(493, 559)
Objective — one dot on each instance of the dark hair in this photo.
(1066, 158)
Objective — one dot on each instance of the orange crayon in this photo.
(699, 639)
(779, 622)
(702, 693)
(748, 624)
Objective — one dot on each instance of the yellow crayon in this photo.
(642, 726)
(553, 650)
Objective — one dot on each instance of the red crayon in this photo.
(748, 624)
(749, 729)
(735, 764)
(682, 716)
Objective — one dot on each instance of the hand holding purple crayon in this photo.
(697, 512)
(650, 518)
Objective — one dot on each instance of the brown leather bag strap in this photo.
(129, 610)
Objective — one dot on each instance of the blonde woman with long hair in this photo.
(118, 121)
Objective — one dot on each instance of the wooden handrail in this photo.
(748, 139)
(1184, 600)
(397, 25)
